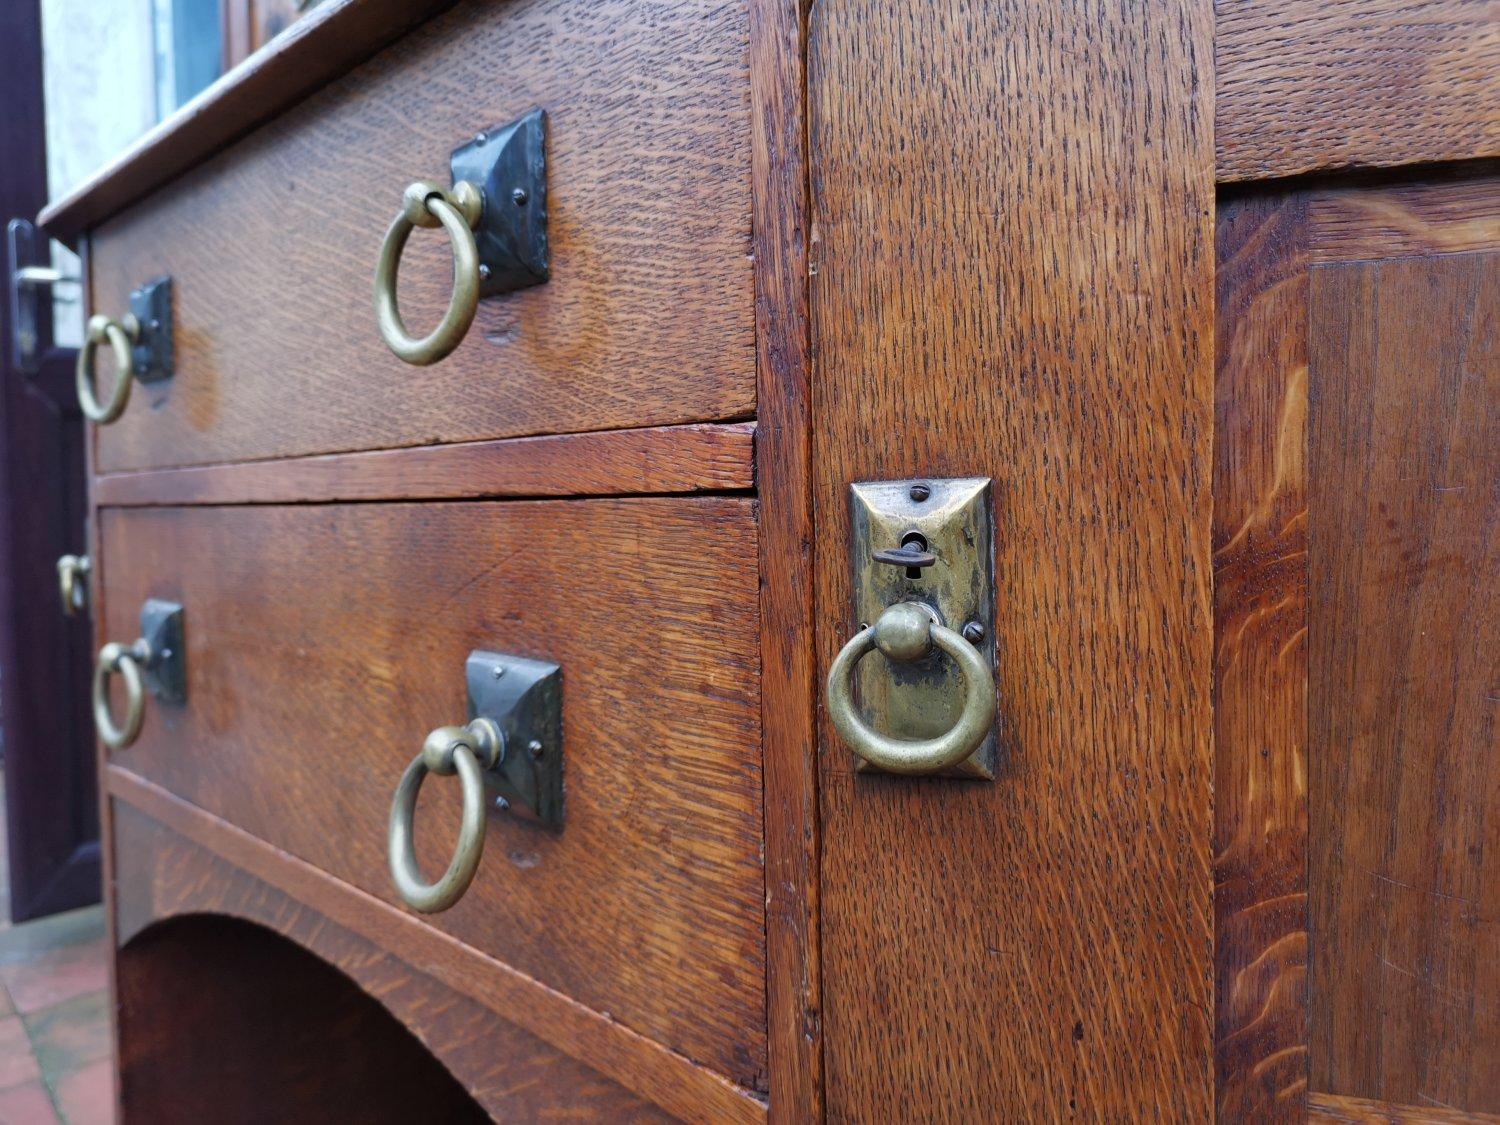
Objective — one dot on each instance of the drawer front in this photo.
(649, 314)
(323, 642)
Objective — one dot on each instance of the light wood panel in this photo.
(324, 641)
(1010, 281)
(1318, 85)
(1330, 1109)
(421, 975)
(659, 460)
(1405, 568)
(648, 318)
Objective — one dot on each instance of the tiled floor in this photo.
(54, 1021)
(54, 1030)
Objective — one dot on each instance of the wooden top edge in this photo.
(695, 458)
(329, 41)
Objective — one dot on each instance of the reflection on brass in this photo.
(929, 542)
(908, 632)
(425, 204)
(115, 657)
(72, 583)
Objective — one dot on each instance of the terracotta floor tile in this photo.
(28, 1104)
(50, 977)
(16, 1062)
(68, 1035)
(87, 1096)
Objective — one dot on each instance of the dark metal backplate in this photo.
(166, 671)
(954, 521)
(509, 165)
(152, 306)
(524, 698)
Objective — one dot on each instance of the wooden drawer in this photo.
(649, 314)
(324, 641)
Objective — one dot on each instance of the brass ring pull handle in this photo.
(72, 583)
(458, 211)
(121, 335)
(467, 751)
(115, 657)
(905, 632)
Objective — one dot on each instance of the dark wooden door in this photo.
(51, 811)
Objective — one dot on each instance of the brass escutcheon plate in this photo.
(954, 521)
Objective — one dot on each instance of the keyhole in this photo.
(916, 541)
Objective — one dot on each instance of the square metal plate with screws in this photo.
(524, 698)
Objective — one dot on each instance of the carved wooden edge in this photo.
(1260, 661)
(1308, 86)
(330, 40)
(1336, 1109)
(780, 207)
(637, 1063)
(654, 460)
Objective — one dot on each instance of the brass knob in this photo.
(905, 632)
(115, 657)
(72, 583)
(457, 211)
(121, 335)
(466, 751)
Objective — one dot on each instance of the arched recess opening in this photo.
(225, 1021)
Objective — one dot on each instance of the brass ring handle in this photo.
(72, 576)
(428, 205)
(121, 335)
(467, 751)
(115, 657)
(908, 631)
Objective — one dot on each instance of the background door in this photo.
(51, 809)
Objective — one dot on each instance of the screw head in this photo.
(519, 196)
(484, 272)
(534, 748)
(920, 492)
(481, 137)
(974, 633)
(501, 803)
(498, 671)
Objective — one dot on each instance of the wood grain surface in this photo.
(783, 477)
(512, 1042)
(334, 36)
(1404, 628)
(1010, 281)
(1430, 216)
(665, 459)
(648, 318)
(1332, 1109)
(1319, 85)
(1260, 660)
(324, 641)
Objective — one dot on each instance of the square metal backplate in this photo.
(152, 306)
(953, 518)
(166, 672)
(509, 165)
(524, 698)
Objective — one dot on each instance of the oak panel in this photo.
(183, 861)
(1260, 660)
(1011, 281)
(1310, 85)
(648, 318)
(1404, 627)
(1332, 1109)
(323, 642)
